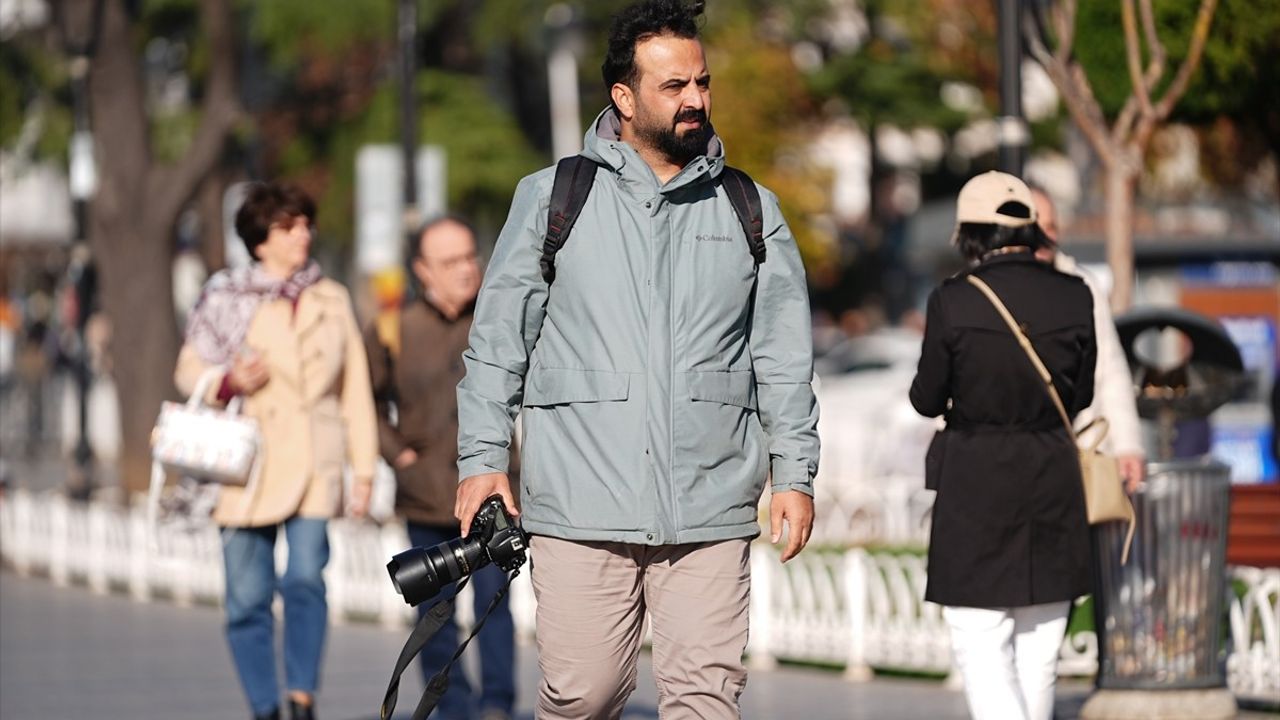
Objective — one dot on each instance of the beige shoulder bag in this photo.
(1104, 496)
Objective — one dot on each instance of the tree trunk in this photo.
(1119, 181)
(137, 292)
(135, 266)
(212, 238)
(133, 214)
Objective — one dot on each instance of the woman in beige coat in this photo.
(283, 337)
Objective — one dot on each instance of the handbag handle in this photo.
(204, 382)
(1102, 434)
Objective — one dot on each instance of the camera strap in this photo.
(427, 626)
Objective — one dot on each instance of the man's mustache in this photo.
(692, 115)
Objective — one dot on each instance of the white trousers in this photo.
(1009, 658)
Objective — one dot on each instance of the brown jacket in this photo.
(420, 379)
(316, 411)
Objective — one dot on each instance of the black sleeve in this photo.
(382, 382)
(931, 387)
(1088, 363)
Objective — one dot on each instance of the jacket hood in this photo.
(603, 144)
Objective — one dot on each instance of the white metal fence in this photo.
(859, 609)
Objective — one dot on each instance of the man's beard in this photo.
(678, 148)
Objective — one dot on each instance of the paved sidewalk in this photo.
(66, 653)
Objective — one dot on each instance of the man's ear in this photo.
(624, 99)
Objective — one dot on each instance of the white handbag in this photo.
(208, 444)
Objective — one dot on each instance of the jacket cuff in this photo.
(791, 475)
(494, 461)
(225, 391)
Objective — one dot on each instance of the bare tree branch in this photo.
(1133, 54)
(173, 185)
(1033, 35)
(1071, 83)
(1128, 117)
(1198, 36)
(1123, 126)
(1064, 21)
(1154, 46)
(1090, 117)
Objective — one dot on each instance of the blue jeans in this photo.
(496, 639)
(251, 585)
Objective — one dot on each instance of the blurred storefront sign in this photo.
(380, 211)
(35, 204)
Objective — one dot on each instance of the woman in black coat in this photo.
(1009, 548)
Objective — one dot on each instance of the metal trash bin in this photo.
(1160, 617)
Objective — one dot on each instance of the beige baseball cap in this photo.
(982, 197)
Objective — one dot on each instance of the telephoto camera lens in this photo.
(420, 573)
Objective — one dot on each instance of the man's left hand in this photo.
(1133, 468)
(796, 509)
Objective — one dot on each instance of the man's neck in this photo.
(663, 166)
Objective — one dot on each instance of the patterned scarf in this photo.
(220, 320)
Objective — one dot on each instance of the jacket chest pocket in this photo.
(556, 386)
(736, 388)
(582, 443)
(719, 418)
(720, 449)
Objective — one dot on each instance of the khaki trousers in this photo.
(592, 600)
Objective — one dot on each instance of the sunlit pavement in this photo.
(66, 653)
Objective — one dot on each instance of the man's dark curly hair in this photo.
(638, 23)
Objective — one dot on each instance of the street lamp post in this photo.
(565, 30)
(407, 34)
(82, 182)
(1014, 135)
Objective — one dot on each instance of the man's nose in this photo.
(692, 98)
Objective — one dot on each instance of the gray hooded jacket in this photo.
(663, 376)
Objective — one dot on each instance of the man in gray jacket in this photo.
(663, 376)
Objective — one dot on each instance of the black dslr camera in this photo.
(420, 573)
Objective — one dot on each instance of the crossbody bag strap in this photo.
(1025, 342)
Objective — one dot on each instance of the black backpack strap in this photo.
(574, 177)
(745, 198)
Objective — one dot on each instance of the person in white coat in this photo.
(1113, 397)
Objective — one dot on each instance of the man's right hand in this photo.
(473, 491)
(249, 372)
(407, 457)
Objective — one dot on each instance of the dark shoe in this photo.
(301, 712)
(273, 715)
